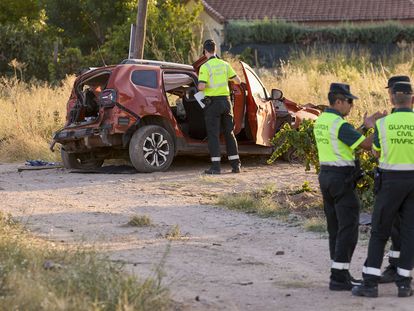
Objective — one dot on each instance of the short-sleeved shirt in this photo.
(216, 73)
(376, 144)
(347, 133)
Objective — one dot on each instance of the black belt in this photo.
(337, 169)
(218, 97)
(396, 174)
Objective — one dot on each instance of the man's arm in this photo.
(352, 138)
(367, 143)
(376, 144)
(202, 78)
(369, 123)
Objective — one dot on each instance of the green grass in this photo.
(140, 221)
(255, 202)
(315, 224)
(291, 207)
(38, 275)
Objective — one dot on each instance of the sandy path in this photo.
(226, 261)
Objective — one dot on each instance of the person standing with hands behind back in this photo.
(394, 145)
(213, 79)
(336, 141)
(390, 273)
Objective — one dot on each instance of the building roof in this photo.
(310, 10)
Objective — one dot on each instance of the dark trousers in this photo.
(395, 239)
(394, 198)
(341, 206)
(219, 115)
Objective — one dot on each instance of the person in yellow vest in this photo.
(214, 77)
(390, 272)
(336, 141)
(394, 145)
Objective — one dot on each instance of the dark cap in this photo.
(402, 87)
(343, 89)
(395, 79)
(209, 45)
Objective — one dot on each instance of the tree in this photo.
(14, 11)
(173, 34)
(86, 23)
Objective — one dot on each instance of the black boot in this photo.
(365, 290)
(236, 166)
(341, 280)
(389, 275)
(214, 169)
(404, 286)
(405, 291)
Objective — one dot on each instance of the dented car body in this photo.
(146, 111)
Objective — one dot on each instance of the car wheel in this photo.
(75, 161)
(292, 156)
(151, 149)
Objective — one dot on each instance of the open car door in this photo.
(260, 111)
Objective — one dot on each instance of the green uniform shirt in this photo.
(216, 73)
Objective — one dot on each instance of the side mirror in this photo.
(276, 94)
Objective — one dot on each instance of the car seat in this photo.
(195, 115)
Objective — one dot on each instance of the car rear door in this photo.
(260, 111)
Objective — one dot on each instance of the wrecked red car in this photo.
(145, 111)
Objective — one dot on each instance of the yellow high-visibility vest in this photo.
(216, 74)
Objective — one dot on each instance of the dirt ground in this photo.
(226, 260)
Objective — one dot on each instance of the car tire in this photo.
(151, 149)
(291, 156)
(74, 161)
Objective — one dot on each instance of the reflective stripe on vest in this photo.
(396, 136)
(332, 151)
(210, 68)
(218, 82)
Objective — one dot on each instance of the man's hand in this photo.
(201, 86)
(369, 121)
(376, 154)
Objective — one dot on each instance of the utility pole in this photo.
(141, 28)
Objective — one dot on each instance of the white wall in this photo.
(212, 29)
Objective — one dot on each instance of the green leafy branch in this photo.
(301, 142)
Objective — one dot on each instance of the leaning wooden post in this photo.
(141, 28)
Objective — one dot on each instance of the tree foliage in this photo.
(90, 33)
(173, 34)
(13, 11)
(86, 23)
(29, 45)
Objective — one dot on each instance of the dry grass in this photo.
(37, 275)
(174, 233)
(30, 114)
(140, 221)
(306, 78)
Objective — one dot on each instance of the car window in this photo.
(147, 78)
(255, 85)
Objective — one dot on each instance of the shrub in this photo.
(273, 31)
